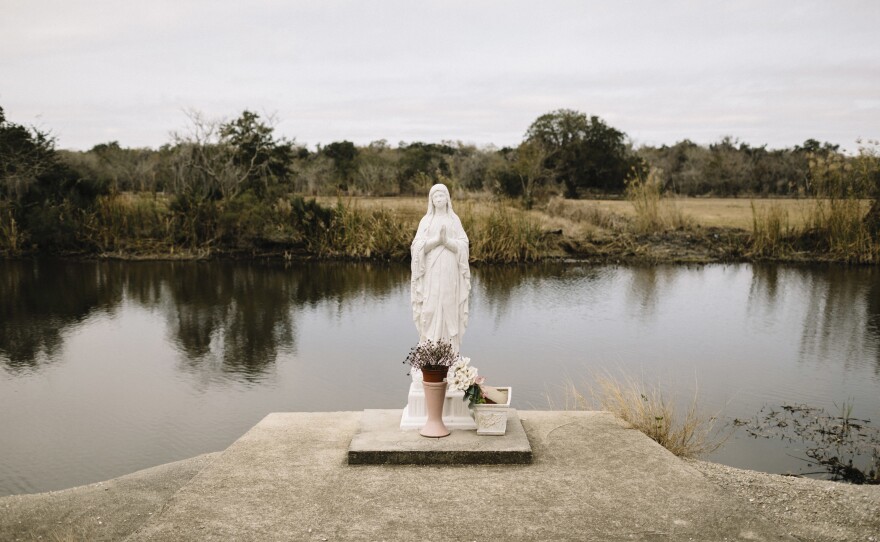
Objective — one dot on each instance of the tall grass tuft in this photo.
(126, 222)
(654, 213)
(838, 227)
(835, 224)
(10, 233)
(685, 434)
(372, 233)
(497, 234)
(503, 235)
(771, 231)
(836, 221)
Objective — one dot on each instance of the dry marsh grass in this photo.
(122, 219)
(833, 227)
(737, 213)
(405, 208)
(365, 227)
(141, 225)
(366, 233)
(503, 234)
(687, 433)
(653, 211)
(705, 212)
(10, 232)
(589, 213)
(771, 231)
(369, 227)
(614, 214)
(839, 229)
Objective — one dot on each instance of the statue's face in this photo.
(439, 199)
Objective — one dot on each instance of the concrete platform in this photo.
(591, 478)
(380, 441)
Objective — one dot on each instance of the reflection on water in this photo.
(838, 309)
(839, 323)
(872, 321)
(37, 304)
(108, 367)
(647, 287)
(236, 317)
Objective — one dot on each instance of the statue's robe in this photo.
(441, 281)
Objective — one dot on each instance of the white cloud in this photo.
(774, 73)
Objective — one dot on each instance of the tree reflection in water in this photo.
(240, 316)
(842, 307)
(648, 285)
(40, 300)
(873, 321)
(500, 287)
(234, 318)
(210, 309)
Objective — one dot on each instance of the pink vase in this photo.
(435, 394)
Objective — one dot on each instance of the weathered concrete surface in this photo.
(379, 441)
(592, 478)
(108, 510)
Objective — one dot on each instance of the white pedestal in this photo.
(456, 414)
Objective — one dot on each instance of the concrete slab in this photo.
(592, 478)
(103, 511)
(380, 441)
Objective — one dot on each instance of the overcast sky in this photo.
(766, 72)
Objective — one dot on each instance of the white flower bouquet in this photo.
(466, 378)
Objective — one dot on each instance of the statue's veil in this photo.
(434, 189)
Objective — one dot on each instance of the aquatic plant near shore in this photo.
(845, 447)
(646, 408)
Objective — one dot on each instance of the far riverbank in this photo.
(687, 230)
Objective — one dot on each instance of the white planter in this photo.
(492, 419)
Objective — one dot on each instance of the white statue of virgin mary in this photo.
(441, 278)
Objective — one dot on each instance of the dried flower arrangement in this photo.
(432, 355)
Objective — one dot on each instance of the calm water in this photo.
(107, 368)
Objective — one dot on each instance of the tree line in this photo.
(242, 163)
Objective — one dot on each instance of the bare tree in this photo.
(205, 164)
(529, 167)
(25, 154)
(376, 172)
